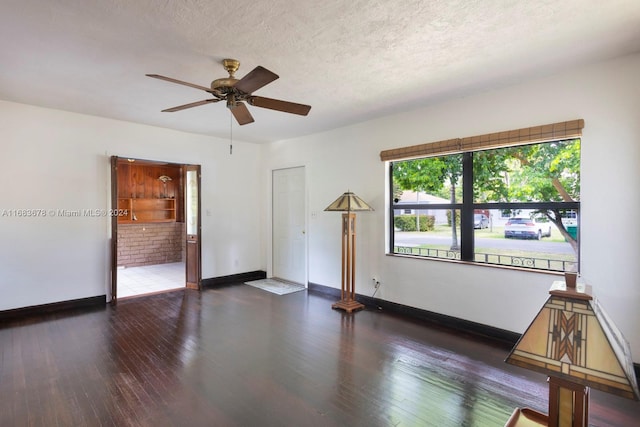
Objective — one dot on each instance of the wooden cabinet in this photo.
(149, 192)
(147, 210)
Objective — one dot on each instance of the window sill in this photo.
(478, 264)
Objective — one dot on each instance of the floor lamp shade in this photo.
(348, 203)
(575, 342)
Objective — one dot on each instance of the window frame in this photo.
(467, 209)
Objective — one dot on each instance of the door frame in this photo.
(114, 230)
(193, 266)
(114, 221)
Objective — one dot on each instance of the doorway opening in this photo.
(150, 233)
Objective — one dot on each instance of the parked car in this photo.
(526, 228)
(480, 221)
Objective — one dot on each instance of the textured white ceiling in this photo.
(350, 60)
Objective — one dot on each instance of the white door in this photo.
(289, 226)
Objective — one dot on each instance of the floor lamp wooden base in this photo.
(568, 406)
(347, 305)
(347, 292)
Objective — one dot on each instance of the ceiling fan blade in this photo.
(180, 82)
(241, 113)
(257, 78)
(191, 105)
(276, 104)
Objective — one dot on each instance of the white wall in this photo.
(606, 96)
(58, 160)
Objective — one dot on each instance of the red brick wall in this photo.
(150, 243)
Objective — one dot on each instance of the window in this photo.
(512, 205)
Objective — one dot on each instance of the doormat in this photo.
(276, 286)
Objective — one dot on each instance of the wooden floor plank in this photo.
(240, 356)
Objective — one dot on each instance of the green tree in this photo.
(452, 173)
(424, 175)
(490, 170)
(547, 172)
(430, 176)
(420, 175)
(532, 173)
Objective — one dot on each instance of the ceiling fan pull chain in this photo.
(230, 133)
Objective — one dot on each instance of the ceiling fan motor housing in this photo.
(225, 85)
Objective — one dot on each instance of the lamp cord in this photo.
(230, 133)
(373, 296)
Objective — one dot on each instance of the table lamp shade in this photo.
(574, 339)
(348, 202)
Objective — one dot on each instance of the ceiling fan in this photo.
(238, 91)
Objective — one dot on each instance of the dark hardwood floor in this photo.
(239, 356)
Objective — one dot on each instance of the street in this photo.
(411, 239)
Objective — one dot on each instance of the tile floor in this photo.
(150, 278)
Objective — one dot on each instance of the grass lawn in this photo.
(504, 252)
(503, 256)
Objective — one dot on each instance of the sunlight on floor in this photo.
(150, 278)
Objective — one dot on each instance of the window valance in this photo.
(535, 134)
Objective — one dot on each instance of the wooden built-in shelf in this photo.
(149, 192)
(147, 210)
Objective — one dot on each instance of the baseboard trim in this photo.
(233, 279)
(502, 337)
(325, 290)
(34, 310)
